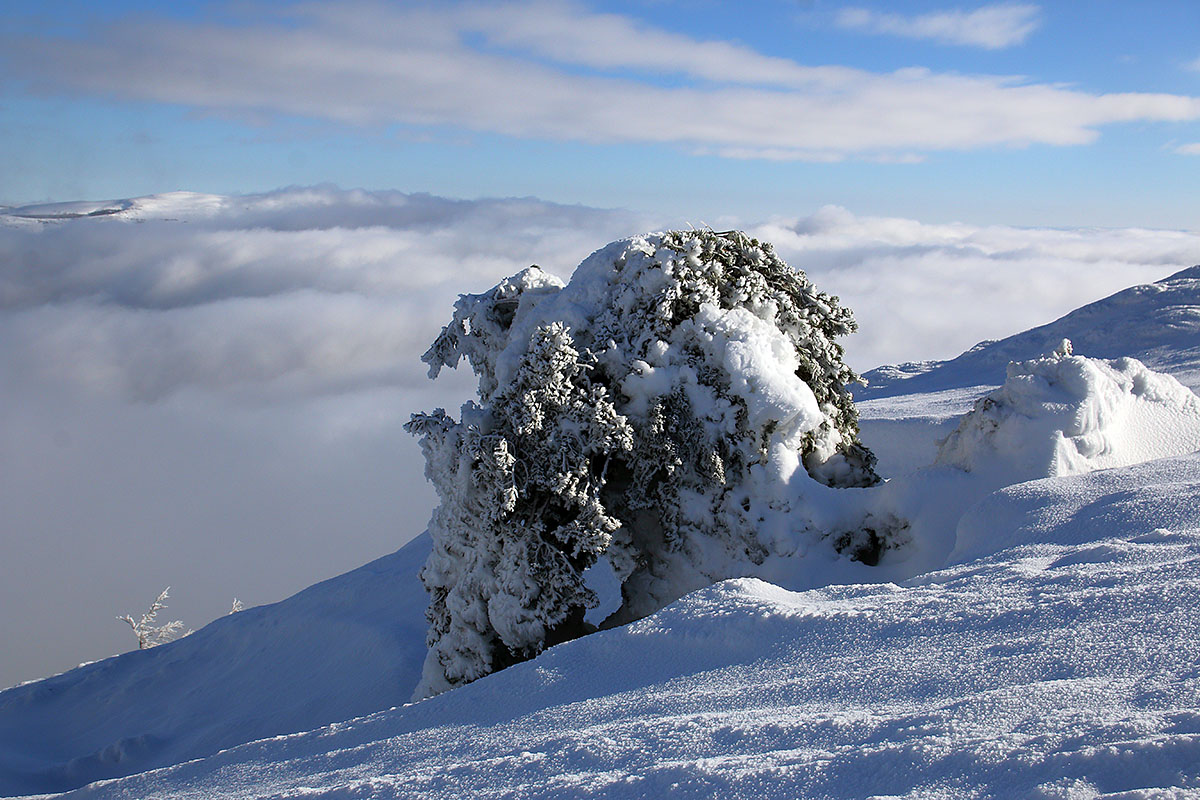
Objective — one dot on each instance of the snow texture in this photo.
(1036, 637)
(1062, 665)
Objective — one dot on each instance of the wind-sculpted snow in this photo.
(1061, 666)
(1052, 416)
(1063, 414)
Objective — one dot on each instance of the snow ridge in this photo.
(1157, 323)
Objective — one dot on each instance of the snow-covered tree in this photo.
(150, 634)
(648, 412)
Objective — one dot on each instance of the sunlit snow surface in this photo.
(1066, 665)
(1056, 656)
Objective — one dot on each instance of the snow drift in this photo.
(1063, 415)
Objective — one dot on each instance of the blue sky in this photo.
(1061, 114)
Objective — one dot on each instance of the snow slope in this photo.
(1063, 665)
(905, 410)
(347, 646)
(1052, 654)
(1157, 323)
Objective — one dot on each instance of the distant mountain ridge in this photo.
(1156, 323)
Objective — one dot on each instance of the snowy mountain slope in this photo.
(1063, 665)
(905, 410)
(347, 646)
(903, 431)
(733, 682)
(353, 645)
(1157, 323)
(1112, 402)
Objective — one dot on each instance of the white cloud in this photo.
(1192, 149)
(314, 290)
(992, 27)
(216, 403)
(929, 291)
(551, 70)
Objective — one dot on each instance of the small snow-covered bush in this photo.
(647, 413)
(150, 634)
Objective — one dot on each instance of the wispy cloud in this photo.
(992, 27)
(556, 71)
(1192, 149)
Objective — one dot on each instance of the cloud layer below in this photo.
(208, 392)
(556, 70)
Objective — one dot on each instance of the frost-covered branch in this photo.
(150, 635)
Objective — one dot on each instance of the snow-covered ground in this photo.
(344, 647)
(1043, 644)
(906, 409)
(1060, 661)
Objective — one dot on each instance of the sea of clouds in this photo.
(208, 392)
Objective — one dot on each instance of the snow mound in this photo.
(1064, 414)
(1157, 323)
(1070, 511)
(1062, 666)
(347, 646)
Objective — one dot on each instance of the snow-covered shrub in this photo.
(1064, 414)
(646, 412)
(147, 632)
